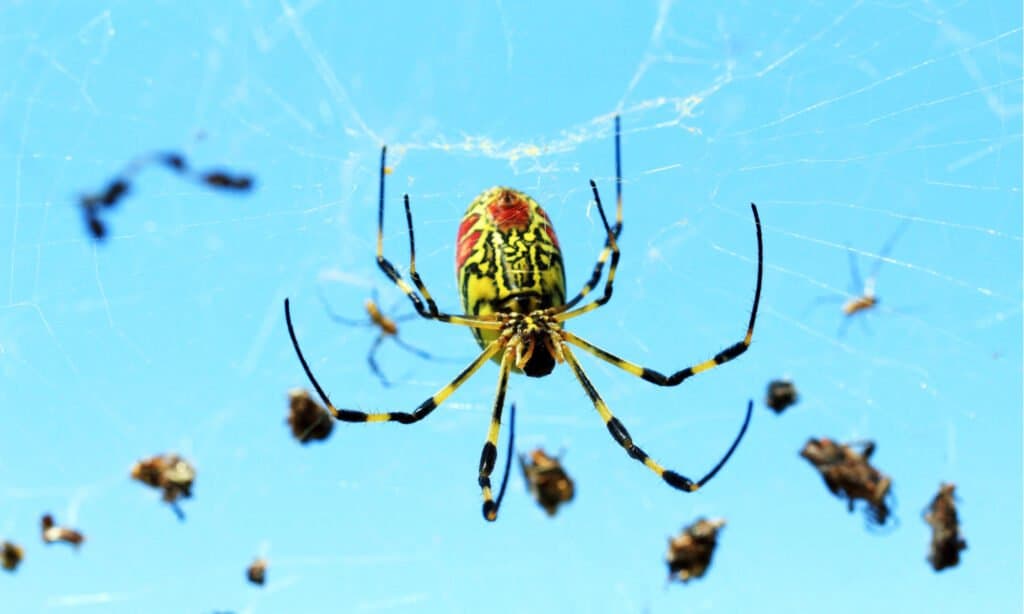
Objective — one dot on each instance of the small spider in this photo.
(549, 484)
(946, 539)
(861, 296)
(512, 284)
(388, 328)
(689, 553)
(11, 555)
(848, 474)
(119, 186)
(781, 395)
(307, 419)
(257, 572)
(170, 473)
(52, 533)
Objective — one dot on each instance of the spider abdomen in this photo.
(507, 258)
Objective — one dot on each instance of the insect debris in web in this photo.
(547, 480)
(53, 533)
(689, 553)
(781, 395)
(849, 475)
(946, 539)
(119, 187)
(11, 555)
(257, 572)
(308, 420)
(170, 473)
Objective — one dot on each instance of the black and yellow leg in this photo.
(428, 310)
(682, 375)
(621, 435)
(489, 454)
(424, 408)
(609, 281)
(613, 234)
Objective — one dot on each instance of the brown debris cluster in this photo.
(308, 420)
(52, 533)
(170, 473)
(257, 572)
(549, 484)
(848, 474)
(689, 553)
(946, 539)
(781, 395)
(11, 555)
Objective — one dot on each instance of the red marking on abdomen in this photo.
(509, 211)
(465, 240)
(550, 227)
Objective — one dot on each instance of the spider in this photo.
(388, 327)
(512, 285)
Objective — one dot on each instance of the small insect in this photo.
(388, 328)
(119, 186)
(549, 484)
(170, 473)
(52, 533)
(848, 474)
(689, 553)
(946, 539)
(512, 284)
(308, 420)
(781, 395)
(11, 555)
(257, 572)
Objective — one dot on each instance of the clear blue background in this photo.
(843, 121)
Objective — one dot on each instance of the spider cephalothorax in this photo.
(508, 263)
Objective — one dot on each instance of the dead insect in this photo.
(170, 473)
(946, 539)
(52, 533)
(781, 394)
(387, 327)
(848, 474)
(549, 484)
(257, 572)
(307, 419)
(11, 555)
(120, 185)
(689, 553)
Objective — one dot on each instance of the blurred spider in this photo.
(512, 285)
(549, 484)
(847, 473)
(862, 291)
(120, 185)
(689, 553)
(946, 539)
(388, 328)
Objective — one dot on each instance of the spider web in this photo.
(852, 127)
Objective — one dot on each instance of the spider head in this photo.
(534, 337)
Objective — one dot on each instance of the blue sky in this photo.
(844, 122)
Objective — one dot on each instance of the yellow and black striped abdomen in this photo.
(507, 257)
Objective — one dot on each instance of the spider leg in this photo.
(428, 311)
(613, 233)
(371, 359)
(340, 319)
(682, 375)
(413, 349)
(621, 435)
(421, 411)
(508, 459)
(613, 249)
(489, 454)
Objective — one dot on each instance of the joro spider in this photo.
(512, 285)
